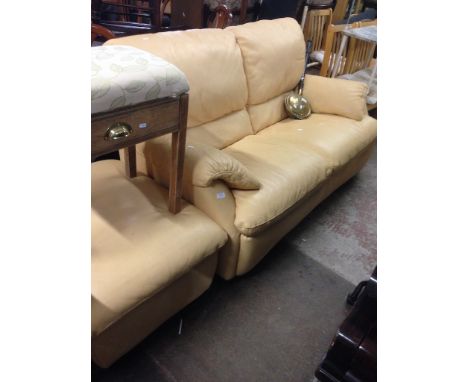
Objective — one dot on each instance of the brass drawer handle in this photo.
(118, 130)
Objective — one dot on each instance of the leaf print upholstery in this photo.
(123, 75)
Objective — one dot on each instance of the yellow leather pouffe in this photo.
(147, 263)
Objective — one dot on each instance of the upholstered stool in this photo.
(136, 96)
(123, 76)
(147, 263)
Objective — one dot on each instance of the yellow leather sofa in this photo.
(252, 170)
(147, 264)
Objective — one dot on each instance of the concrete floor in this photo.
(341, 233)
(275, 323)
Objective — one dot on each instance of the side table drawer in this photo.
(111, 131)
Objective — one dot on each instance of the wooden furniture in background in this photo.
(316, 23)
(353, 353)
(220, 18)
(187, 13)
(127, 126)
(166, 6)
(248, 11)
(335, 64)
(362, 45)
(243, 11)
(342, 10)
(100, 31)
(125, 17)
(346, 55)
(274, 9)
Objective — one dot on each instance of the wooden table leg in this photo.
(243, 12)
(130, 161)
(338, 59)
(177, 159)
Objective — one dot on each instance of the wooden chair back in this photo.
(342, 9)
(316, 25)
(357, 54)
(220, 18)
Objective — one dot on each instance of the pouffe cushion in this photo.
(123, 76)
(138, 246)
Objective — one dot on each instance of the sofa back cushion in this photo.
(212, 63)
(273, 53)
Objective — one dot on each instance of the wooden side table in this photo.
(136, 96)
(125, 127)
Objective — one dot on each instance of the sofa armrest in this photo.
(336, 96)
(209, 164)
(203, 165)
(209, 175)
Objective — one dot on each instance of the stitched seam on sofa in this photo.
(214, 120)
(224, 116)
(258, 228)
(300, 204)
(98, 332)
(246, 80)
(269, 99)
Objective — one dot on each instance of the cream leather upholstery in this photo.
(336, 139)
(253, 248)
(223, 131)
(207, 57)
(139, 249)
(336, 96)
(203, 166)
(267, 113)
(268, 74)
(289, 166)
(131, 328)
(286, 172)
(273, 56)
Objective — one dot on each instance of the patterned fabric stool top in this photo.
(123, 76)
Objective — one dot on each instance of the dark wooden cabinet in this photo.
(127, 17)
(352, 356)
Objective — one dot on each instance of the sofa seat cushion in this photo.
(286, 171)
(336, 139)
(138, 246)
